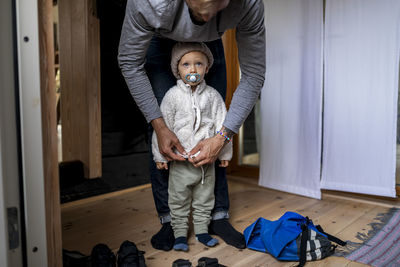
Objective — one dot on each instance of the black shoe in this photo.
(129, 256)
(181, 263)
(74, 259)
(102, 256)
(164, 239)
(225, 230)
(209, 262)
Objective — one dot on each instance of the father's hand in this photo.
(167, 141)
(209, 150)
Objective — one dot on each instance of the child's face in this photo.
(193, 63)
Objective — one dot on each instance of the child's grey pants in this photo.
(184, 188)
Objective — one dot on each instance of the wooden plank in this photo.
(49, 124)
(122, 217)
(93, 94)
(66, 67)
(342, 216)
(374, 200)
(80, 84)
(80, 202)
(49, 131)
(362, 225)
(232, 64)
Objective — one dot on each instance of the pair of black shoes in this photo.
(203, 262)
(164, 239)
(127, 256)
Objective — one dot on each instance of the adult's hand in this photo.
(167, 141)
(209, 150)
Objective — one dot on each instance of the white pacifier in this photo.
(192, 77)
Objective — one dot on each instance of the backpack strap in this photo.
(331, 237)
(303, 245)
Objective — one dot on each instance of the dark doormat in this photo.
(119, 172)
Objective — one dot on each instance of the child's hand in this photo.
(162, 165)
(224, 163)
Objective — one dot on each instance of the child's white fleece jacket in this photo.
(192, 116)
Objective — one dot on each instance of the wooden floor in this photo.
(130, 215)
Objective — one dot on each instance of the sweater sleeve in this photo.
(157, 157)
(250, 37)
(226, 152)
(220, 113)
(168, 110)
(134, 41)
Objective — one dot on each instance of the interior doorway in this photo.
(102, 133)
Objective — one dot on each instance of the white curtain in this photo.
(290, 140)
(360, 103)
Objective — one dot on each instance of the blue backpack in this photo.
(291, 238)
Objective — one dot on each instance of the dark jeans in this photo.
(158, 70)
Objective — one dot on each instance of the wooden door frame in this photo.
(49, 133)
(233, 74)
(91, 120)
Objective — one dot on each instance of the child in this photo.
(193, 111)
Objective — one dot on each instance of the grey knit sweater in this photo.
(192, 116)
(171, 19)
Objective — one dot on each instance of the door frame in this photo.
(233, 77)
(11, 251)
(38, 136)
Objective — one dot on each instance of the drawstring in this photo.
(193, 156)
(202, 175)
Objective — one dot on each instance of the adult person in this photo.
(150, 29)
(194, 111)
